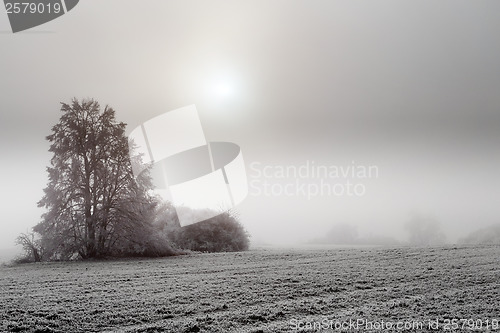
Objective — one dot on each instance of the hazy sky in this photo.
(412, 87)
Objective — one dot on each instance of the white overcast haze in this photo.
(412, 87)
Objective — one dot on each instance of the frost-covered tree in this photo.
(94, 205)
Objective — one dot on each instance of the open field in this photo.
(263, 290)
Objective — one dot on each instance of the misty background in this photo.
(411, 87)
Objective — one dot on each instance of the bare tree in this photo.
(31, 246)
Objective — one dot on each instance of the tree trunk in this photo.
(91, 241)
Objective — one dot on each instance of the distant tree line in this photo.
(425, 231)
(486, 235)
(96, 208)
(347, 234)
(422, 231)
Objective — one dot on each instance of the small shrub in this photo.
(222, 233)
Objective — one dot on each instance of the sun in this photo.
(223, 89)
